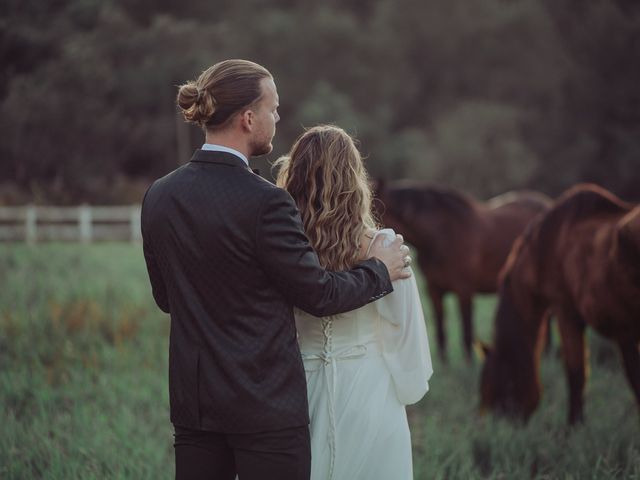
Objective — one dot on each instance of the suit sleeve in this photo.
(158, 287)
(289, 260)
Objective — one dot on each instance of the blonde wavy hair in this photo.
(325, 176)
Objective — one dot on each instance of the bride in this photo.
(362, 366)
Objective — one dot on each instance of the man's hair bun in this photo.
(197, 104)
(220, 92)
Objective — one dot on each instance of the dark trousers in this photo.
(279, 455)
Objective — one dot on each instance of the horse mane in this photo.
(414, 197)
(580, 202)
(576, 204)
(506, 329)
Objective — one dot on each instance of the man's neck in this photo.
(229, 141)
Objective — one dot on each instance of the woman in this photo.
(362, 366)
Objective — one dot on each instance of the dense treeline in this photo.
(484, 96)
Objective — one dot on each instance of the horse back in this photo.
(573, 247)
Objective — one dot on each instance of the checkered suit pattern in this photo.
(227, 258)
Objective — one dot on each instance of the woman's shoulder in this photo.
(365, 241)
(371, 234)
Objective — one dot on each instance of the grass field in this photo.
(83, 386)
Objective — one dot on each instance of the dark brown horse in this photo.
(461, 243)
(580, 261)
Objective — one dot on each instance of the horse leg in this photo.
(573, 348)
(543, 342)
(465, 305)
(631, 359)
(436, 296)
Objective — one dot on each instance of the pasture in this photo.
(83, 385)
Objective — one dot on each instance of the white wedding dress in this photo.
(362, 368)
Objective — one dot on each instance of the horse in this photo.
(580, 262)
(461, 243)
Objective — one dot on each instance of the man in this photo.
(227, 258)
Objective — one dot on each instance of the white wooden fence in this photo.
(83, 223)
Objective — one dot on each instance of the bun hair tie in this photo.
(200, 95)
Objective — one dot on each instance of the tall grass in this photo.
(83, 358)
(83, 386)
(452, 441)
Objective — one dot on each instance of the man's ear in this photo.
(247, 119)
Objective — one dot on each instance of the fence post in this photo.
(136, 233)
(30, 224)
(84, 223)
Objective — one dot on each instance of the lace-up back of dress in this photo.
(335, 332)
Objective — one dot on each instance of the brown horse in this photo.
(461, 243)
(580, 261)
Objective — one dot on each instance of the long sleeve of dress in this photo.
(404, 338)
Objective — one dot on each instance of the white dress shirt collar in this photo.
(219, 148)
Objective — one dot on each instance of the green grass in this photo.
(83, 386)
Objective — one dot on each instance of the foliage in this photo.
(483, 96)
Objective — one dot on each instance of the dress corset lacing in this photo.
(329, 360)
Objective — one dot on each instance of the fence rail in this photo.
(84, 223)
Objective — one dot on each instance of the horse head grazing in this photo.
(509, 381)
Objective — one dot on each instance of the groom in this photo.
(228, 259)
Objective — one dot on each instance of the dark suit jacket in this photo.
(228, 258)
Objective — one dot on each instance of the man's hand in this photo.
(395, 256)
